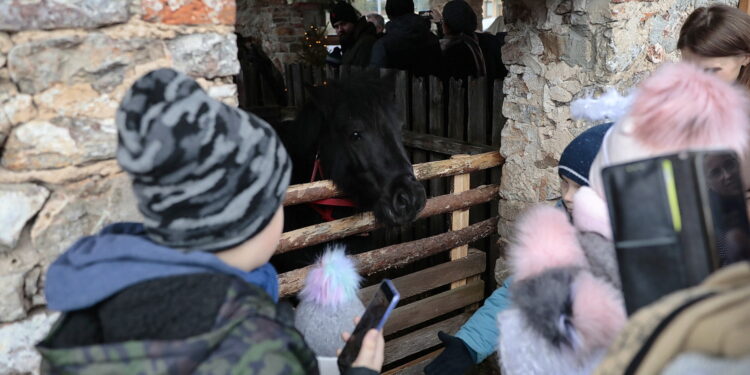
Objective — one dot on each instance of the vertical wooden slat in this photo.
(419, 125)
(344, 71)
(498, 120)
(299, 93)
(403, 99)
(456, 110)
(745, 6)
(477, 122)
(318, 76)
(330, 73)
(437, 128)
(307, 75)
(459, 219)
(289, 85)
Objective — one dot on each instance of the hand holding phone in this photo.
(375, 316)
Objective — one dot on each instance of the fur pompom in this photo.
(591, 213)
(332, 280)
(609, 107)
(598, 312)
(545, 239)
(681, 107)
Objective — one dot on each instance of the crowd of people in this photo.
(191, 289)
(407, 41)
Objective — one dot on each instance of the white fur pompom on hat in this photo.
(329, 301)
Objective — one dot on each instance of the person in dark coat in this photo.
(408, 43)
(356, 35)
(491, 46)
(462, 56)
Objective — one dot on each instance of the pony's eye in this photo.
(355, 135)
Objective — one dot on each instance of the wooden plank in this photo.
(745, 6)
(317, 76)
(436, 128)
(309, 192)
(331, 73)
(443, 145)
(421, 281)
(365, 222)
(403, 97)
(434, 306)
(289, 76)
(344, 71)
(419, 126)
(498, 119)
(299, 91)
(456, 110)
(477, 111)
(459, 219)
(398, 255)
(414, 367)
(422, 339)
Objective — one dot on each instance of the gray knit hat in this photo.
(207, 176)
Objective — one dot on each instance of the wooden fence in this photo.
(435, 298)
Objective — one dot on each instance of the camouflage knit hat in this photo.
(207, 176)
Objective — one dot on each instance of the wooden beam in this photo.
(314, 191)
(398, 255)
(422, 339)
(415, 366)
(434, 306)
(442, 145)
(460, 218)
(365, 222)
(421, 281)
(745, 6)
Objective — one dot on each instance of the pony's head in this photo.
(361, 148)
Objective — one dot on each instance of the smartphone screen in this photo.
(375, 316)
(729, 231)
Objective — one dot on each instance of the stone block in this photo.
(19, 202)
(16, 15)
(559, 94)
(95, 58)
(11, 293)
(190, 12)
(17, 341)
(18, 108)
(77, 100)
(207, 55)
(82, 209)
(5, 43)
(59, 142)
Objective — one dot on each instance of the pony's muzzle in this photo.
(405, 200)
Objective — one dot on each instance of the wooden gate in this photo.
(439, 297)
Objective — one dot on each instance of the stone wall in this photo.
(64, 65)
(558, 50)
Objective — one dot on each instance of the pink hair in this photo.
(544, 239)
(598, 311)
(681, 107)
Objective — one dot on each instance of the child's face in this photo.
(727, 68)
(568, 189)
(273, 233)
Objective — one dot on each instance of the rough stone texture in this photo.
(59, 142)
(19, 202)
(96, 59)
(17, 353)
(557, 51)
(81, 209)
(15, 109)
(11, 293)
(189, 12)
(18, 15)
(205, 55)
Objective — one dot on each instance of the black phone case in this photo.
(658, 251)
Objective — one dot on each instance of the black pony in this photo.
(351, 126)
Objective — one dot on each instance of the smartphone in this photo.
(375, 316)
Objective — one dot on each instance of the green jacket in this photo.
(251, 335)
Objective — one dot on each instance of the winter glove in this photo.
(455, 359)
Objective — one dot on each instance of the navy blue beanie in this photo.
(578, 156)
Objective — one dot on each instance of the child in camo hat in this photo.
(189, 290)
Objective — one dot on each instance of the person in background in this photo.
(190, 290)
(477, 338)
(462, 56)
(408, 43)
(379, 23)
(356, 35)
(717, 39)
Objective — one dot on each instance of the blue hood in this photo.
(99, 266)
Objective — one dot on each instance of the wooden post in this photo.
(460, 218)
(745, 6)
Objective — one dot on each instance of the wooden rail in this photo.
(303, 193)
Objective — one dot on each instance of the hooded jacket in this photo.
(408, 45)
(357, 49)
(133, 306)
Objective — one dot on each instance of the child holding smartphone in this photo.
(190, 289)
